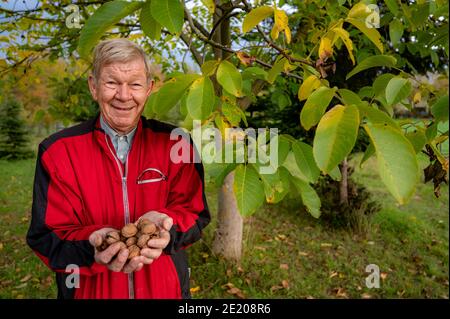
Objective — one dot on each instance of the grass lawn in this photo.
(287, 253)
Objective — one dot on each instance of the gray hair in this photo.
(118, 50)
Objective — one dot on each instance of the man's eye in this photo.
(111, 82)
(136, 85)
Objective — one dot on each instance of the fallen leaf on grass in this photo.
(341, 293)
(194, 290)
(285, 284)
(237, 292)
(26, 278)
(21, 286)
(284, 266)
(303, 253)
(334, 274)
(383, 275)
(326, 245)
(366, 296)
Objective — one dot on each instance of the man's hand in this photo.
(106, 257)
(156, 245)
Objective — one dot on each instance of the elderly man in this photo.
(110, 171)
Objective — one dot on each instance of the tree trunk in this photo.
(343, 185)
(228, 235)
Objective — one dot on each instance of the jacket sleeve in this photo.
(56, 233)
(186, 204)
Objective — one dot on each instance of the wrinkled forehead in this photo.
(124, 70)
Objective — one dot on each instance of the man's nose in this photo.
(124, 92)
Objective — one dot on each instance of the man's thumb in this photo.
(95, 239)
(168, 222)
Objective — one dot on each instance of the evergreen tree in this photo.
(13, 133)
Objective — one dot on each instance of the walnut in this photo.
(129, 230)
(131, 241)
(148, 228)
(142, 241)
(134, 251)
(112, 237)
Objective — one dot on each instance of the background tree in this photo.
(13, 132)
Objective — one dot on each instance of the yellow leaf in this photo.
(275, 32)
(325, 48)
(371, 33)
(287, 32)
(281, 24)
(346, 39)
(195, 289)
(210, 5)
(311, 83)
(359, 11)
(255, 16)
(417, 97)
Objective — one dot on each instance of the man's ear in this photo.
(92, 87)
(150, 87)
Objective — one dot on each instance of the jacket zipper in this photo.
(126, 209)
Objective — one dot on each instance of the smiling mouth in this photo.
(122, 108)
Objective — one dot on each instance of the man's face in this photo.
(121, 92)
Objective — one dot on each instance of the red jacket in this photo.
(80, 186)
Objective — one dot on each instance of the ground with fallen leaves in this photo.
(287, 253)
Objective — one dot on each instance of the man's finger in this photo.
(167, 223)
(105, 256)
(95, 239)
(133, 264)
(151, 253)
(118, 262)
(161, 242)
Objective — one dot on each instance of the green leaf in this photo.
(371, 62)
(201, 98)
(149, 25)
(209, 67)
(380, 83)
(284, 146)
(281, 99)
(395, 31)
(392, 6)
(169, 14)
(375, 116)
(440, 109)
(254, 72)
(397, 90)
(335, 174)
(232, 113)
(349, 97)
(370, 33)
(229, 78)
(256, 16)
(309, 197)
(279, 66)
(218, 171)
(335, 136)
(171, 92)
(417, 138)
(103, 19)
(397, 163)
(315, 106)
(276, 186)
(304, 158)
(369, 152)
(249, 189)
